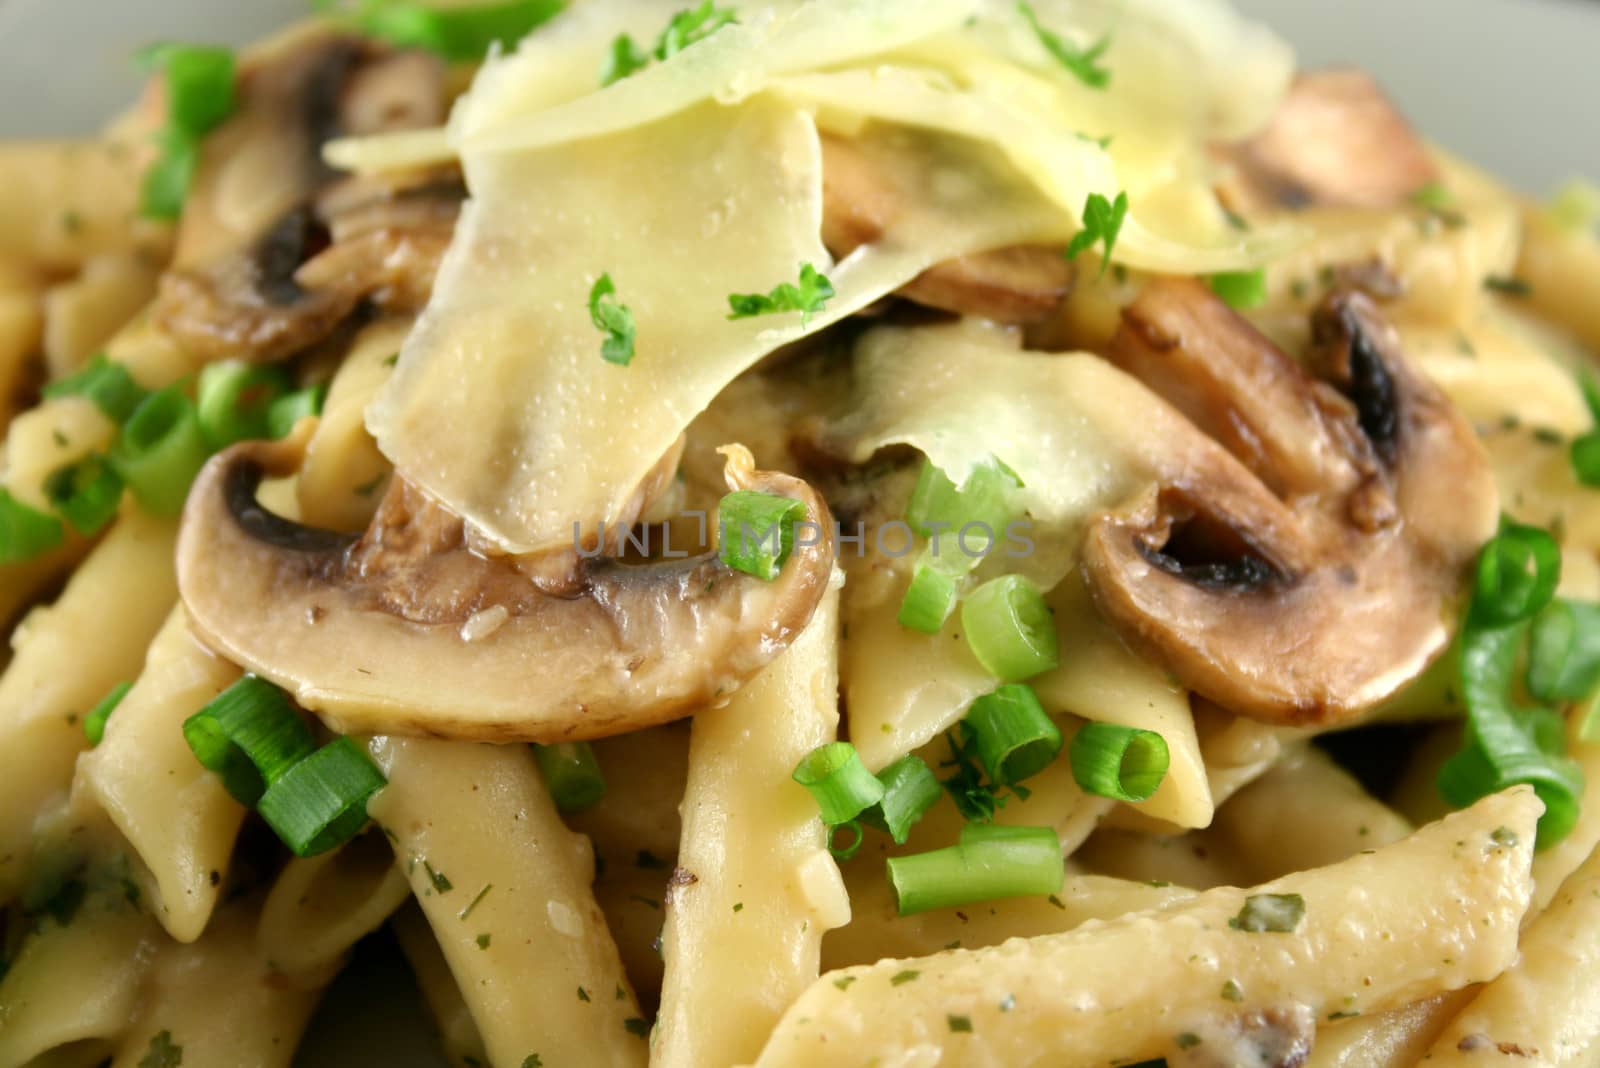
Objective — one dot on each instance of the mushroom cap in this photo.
(1311, 568)
(408, 629)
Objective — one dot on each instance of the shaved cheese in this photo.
(700, 176)
(506, 345)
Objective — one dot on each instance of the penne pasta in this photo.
(175, 814)
(1546, 1007)
(451, 1016)
(123, 592)
(479, 840)
(320, 906)
(754, 889)
(1071, 997)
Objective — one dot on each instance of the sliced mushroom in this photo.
(407, 629)
(1335, 139)
(1022, 284)
(285, 288)
(1315, 575)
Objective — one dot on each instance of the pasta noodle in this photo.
(1020, 996)
(728, 982)
(176, 815)
(123, 592)
(450, 808)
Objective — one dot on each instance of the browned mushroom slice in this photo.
(1335, 139)
(249, 300)
(407, 629)
(1316, 606)
(1023, 284)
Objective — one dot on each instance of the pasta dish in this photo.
(806, 532)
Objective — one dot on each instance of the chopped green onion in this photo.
(94, 724)
(756, 531)
(571, 773)
(199, 84)
(1102, 222)
(910, 788)
(986, 499)
(1241, 289)
(321, 802)
(457, 33)
(1516, 576)
(852, 846)
(930, 598)
(807, 298)
(842, 785)
(625, 58)
(250, 735)
(1564, 651)
(1277, 913)
(613, 320)
(166, 183)
(989, 862)
(107, 384)
(234, 399)
(1435, 196)
(1589, 386)
(25, 532)
(200, 95)
(1585, 455)
(1504, 745)
(86, 493)
(1080, 63)
(1010, 629)
(161, 450)
(288, 410)
(1124, 763)
(1010, 734)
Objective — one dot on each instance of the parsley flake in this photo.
(689, 26)
(1102, 221)
(613, 320)
(161, 1052)
(637, 1026)
(532, 1060)
(1278, 913)
(1232, 991)
(483, 941)
(901, 978)
(1081, 63)
(583, 995)
(807, 298)
(844, 981)
(440, 883)
(958, 1024)
(1187, 1040)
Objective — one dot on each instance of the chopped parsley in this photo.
(1102, 220)
(958, 1024)
(975, 796)
(1081, 63)
(907, 976)
(440, 883)
(1504, 837)
(844, 981)
(1232, 991)
(1278, 913)
(161, 1053)
(689, 26)
(1507, 285)
(613, 320)
(808, 297)
(637, 1026)
(483, 940)
(583, 995)
(1187, 1040)
(738, 906)
(532, 1060)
